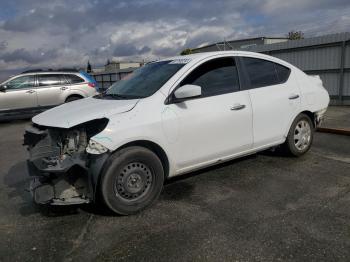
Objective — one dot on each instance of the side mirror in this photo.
(185, 92)
(3, 88)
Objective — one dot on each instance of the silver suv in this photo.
(31, 92)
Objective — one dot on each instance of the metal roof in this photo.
(320, 40)
(238, 40)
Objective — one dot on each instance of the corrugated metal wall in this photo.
(312, 59)
(106, 79)
(326, 56)
(326, 62)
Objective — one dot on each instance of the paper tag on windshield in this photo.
(180, 61)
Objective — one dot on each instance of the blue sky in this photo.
(41, 34)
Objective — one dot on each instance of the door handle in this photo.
(64, 88)
(237, 107)
(30, 91)
(294, 96)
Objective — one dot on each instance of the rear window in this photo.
(265, 73)
(282, 73)
(49, 80)
(260, 72)
(74, 79)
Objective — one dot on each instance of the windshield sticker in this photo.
(180, 61)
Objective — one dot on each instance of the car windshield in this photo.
(143, 82)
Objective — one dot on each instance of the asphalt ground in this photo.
(337, 117)
(264, 207)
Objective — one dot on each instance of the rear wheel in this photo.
(73, 98)
(300, 136)
(132, 180)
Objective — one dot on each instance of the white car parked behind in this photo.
(34, 91)
(169, 118)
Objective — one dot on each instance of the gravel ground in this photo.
(263, 207)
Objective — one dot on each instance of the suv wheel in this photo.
(300, 136)
(132, 180)
(73, 98)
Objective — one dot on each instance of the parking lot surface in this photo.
(262, 207)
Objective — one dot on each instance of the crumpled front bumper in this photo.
(59, 185)
(60, 180)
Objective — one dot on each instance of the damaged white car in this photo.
(170, 117)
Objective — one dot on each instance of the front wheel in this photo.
(132, 180)
(300, 136)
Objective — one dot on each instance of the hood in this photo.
(81, 111)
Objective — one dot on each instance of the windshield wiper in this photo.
(115, 96)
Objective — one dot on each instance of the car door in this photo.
(275, 99)
(51, 89)
(217, 124)
(18, 93)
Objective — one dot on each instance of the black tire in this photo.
(73, 98)
(290, 145)
(132, 180)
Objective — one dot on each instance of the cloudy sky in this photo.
(42, 34)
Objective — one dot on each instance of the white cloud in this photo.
(66, 33)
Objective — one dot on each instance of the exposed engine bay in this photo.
(64, 172)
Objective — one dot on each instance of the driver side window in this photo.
(215, 77)
(22, 82)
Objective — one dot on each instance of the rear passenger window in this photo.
(218, 76)
(265, 73)
(282, 73)
(74, 79)
(49, 80)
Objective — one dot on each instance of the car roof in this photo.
(45, 73)
(49, 73)
(209, 54)
(193, 58)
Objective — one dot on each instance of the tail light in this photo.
(91, 84)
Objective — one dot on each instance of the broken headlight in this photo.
(95, 148)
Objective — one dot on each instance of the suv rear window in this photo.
(74, 79)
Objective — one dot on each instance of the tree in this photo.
(88, 68)
(186, 51)
(295, 35)
(108, 62)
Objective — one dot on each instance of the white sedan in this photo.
(170, 117)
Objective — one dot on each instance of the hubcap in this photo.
(302, 135)
(134, 181)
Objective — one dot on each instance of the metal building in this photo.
(106, 78)
(239, 44)
(327, 56)
(113, 72)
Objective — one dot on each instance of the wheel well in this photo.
(311, 115)
(155, 148)
(74, 95)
